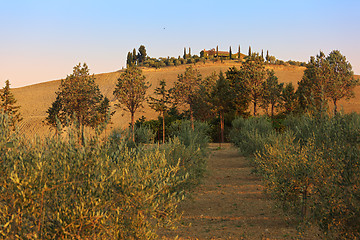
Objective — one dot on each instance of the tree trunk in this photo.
(163, 132)
(192, 119)
(82, 135)
(272, 110)
(222, 127)
(81, 128)
(132, 127)
(254, 108)
(335, 106)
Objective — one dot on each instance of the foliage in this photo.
(141, 57)
(202, 107)
(186, 88)
(222, 101)
(311, 169)
(7, 104)
(79, 99)
(254, 75)
(130, 92)
(192, 151)
(250, 135)
(143, 135)
(288, 99)
(155, 125)
(272, 90)
(240, 91)
(296, 63)
(56, 188)
(199, 137)
(326, 78)
(161, 104)
(341, 80)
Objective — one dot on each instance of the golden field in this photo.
(36, 99)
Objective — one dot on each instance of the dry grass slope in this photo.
(36, 99)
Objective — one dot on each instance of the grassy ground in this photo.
(230, 204)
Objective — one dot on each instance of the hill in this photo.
(36, 99)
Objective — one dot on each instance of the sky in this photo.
(43, 40)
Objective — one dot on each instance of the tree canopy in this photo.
(130, 92)
(222, 100)
(254, 74)
(142, 54)
(326, 78)
(271, 92)
(341, 80)
(186, 88)
(7, 104)
(79, 99)
(161, 103)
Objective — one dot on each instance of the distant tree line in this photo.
(140, 58)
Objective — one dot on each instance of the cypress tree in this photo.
(142, 54)
(262, 54)
(230, 53)
(239, 55)
(184, 56)
(249, 51)
(134, 56)
(267, 56)
(217, 51)
(129, 59)
(189, 52)
(7, 104)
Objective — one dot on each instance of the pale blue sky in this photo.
(43, 40)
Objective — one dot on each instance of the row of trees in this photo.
(326, 78)
(140, 58)
(311, 168)
(233, 93)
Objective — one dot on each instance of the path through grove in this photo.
(231, 204)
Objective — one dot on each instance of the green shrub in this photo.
(250, 135)
(56, 188)
(64, 188)
(197, 138)
(143, 135)
(313, 171)
(288, 172)
(191, 148)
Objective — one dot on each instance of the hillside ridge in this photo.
(37, 98)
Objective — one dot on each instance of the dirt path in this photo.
(230, 204)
